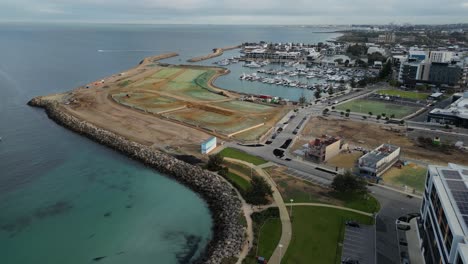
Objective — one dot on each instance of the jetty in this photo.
(216, 53)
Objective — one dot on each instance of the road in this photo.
(393, 205)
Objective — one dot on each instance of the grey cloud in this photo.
(257, 11)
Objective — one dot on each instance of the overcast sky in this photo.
(237, 11)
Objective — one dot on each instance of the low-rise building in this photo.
(443, 228)
(456, 114)
(324, 148)
(378, 161)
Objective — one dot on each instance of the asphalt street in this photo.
(393, 205)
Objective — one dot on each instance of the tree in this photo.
(341, 113)
(348, 110)
(302, 99)
(370, 113)
(392, 116)
(258, 193)
(384, 114)
(378, 117)
(318, 93)
(215, 162)
(386, 70)
(325, 111)
(353, 83)
(330, 91)
(347, 114)
(364, 117)
(348, 183)
(333, 107)
(387, 118)
(402, 122)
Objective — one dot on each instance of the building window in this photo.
(448, 240)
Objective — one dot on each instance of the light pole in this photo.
(280, 247)
(290, 208)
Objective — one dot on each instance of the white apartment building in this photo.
(443, 228)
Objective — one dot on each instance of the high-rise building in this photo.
(441, 56)
(443, 228)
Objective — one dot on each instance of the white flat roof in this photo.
(458, 108)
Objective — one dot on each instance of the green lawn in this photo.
(239, 181)
(270, 234)
(317, 231)
(411, 175)
(240, 155)
(359, 201)
(404, 94)
(267, 233)
(377, 108)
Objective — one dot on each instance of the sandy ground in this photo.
(95, 104)
(371, 136)
(345, 160)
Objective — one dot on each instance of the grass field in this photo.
(359, 201)
(317, 231)
(377, 108)
(411, 175)
(242, 183)
(270, 234)
(240, 155)
(404, 94)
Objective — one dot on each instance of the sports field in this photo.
(377, 108)
(404, 94)
(184, 94)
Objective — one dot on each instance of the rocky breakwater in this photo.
(223, 203)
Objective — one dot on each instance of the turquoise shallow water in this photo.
(97, 203)
(66, 199)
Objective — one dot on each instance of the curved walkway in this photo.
(330, 206)
(286, 227)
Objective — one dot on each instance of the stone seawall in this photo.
(225, 207)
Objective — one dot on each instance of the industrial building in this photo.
(456, 114)
(324, 148)
(443, 230)
(378, 161)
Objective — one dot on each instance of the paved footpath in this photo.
(286, 228)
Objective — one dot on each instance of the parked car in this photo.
(352, 224)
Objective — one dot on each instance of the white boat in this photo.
(252, 64)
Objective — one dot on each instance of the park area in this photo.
(318, 233)
(365, 106)
(184, 94)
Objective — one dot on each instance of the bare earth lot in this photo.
(370, 136)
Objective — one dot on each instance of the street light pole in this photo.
(290, 208)
(280, 247)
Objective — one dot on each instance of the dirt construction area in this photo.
(184, 94)
(370, 136)
(173, 108)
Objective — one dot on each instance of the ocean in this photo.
(66, 199)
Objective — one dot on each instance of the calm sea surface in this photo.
(65, 199)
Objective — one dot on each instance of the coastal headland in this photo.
(216, 53)
(126, 112)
